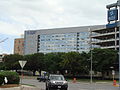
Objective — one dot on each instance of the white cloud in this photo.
(19, 15)
(7, 28)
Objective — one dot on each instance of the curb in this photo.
(93, 82)
(24, 87)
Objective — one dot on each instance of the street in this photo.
(74, 86)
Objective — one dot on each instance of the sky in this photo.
(16, 16)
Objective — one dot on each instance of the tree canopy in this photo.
(74, 62)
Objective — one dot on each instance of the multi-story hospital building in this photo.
(69, 39)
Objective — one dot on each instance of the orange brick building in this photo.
(19, 46)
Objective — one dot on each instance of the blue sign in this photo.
(112, 25)
(112, 15)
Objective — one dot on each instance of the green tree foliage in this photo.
(35, 62)
(73, 62)
(103, 59)
(85, 62)
(1, 79)
(2, 66)
(52, 62)
(11, 61)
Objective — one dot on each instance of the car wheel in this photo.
(65, 89)
(49, 88)
(46, 88)
(39, 80)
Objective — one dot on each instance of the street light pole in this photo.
(91, 67)
(91, 79)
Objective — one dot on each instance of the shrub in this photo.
(12, 77)
(1, 79)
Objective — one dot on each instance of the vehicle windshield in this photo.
(56, 78)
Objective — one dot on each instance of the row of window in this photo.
(64, 49)
(64, 42)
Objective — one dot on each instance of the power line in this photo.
(3, 40)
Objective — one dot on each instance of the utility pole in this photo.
(91, 57)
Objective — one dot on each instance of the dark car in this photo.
(42, 78)
(56, 82)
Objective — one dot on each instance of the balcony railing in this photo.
(102, 41)
(110, 47)
(98, 35)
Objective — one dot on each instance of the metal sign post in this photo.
(22, 64)
(113, 74)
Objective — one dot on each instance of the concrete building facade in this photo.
(106, 38)
(59, 39)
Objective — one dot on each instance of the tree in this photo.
(73, 61)
(11, 61)
(2, 66)
(52, 61)
(85, 62)
(103, 59)
(35, 62)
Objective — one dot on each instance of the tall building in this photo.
(59, 39)
(19, 46)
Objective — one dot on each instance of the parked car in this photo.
(56, 82)
(42, 78)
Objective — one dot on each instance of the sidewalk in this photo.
(23, 87)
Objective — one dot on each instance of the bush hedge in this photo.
(12, 77)
(1, 79)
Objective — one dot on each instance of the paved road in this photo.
(75, 86)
